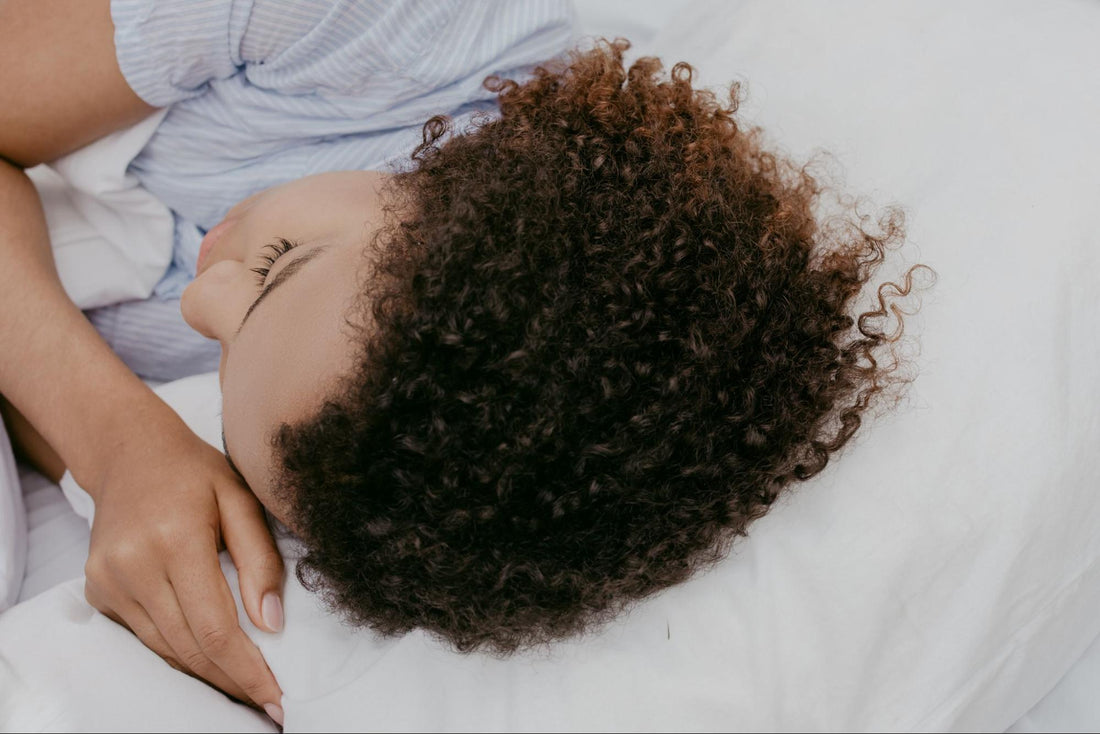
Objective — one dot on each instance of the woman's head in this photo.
(594, 340)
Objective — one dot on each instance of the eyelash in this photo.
(278, 248)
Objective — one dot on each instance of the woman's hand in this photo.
(165, 505)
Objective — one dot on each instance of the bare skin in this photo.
(165, 501)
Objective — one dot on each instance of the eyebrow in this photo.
(284, 275)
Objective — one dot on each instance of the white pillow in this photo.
(111, 239)
(943, 573)
(13, 526)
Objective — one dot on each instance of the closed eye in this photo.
(270, 253)
(281, 277)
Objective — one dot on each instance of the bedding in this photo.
(13, 526)
(112, 239)
(57, 538)
(943, 574)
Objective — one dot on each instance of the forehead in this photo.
(320, 194)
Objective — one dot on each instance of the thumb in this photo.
(253, 550)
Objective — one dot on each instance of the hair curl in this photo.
(605, 334)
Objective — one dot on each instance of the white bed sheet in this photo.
(57, 537)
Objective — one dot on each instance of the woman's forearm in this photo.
(54, 367)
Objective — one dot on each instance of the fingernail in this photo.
(272, 611)
(275, 712)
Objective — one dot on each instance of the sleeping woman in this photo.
(554, 361)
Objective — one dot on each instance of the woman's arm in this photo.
(61, 86)
(165, 500)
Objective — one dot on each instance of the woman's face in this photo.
(283, 335)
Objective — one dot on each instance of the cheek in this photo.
(247, 423)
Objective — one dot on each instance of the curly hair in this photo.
(601, 333)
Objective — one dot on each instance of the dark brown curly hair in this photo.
(600, 335)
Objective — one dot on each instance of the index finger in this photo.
(211, 613)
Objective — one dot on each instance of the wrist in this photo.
(139, 429)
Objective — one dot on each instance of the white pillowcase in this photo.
(111, 239)
(13, 526)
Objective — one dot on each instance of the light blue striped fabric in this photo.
(267, 91)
